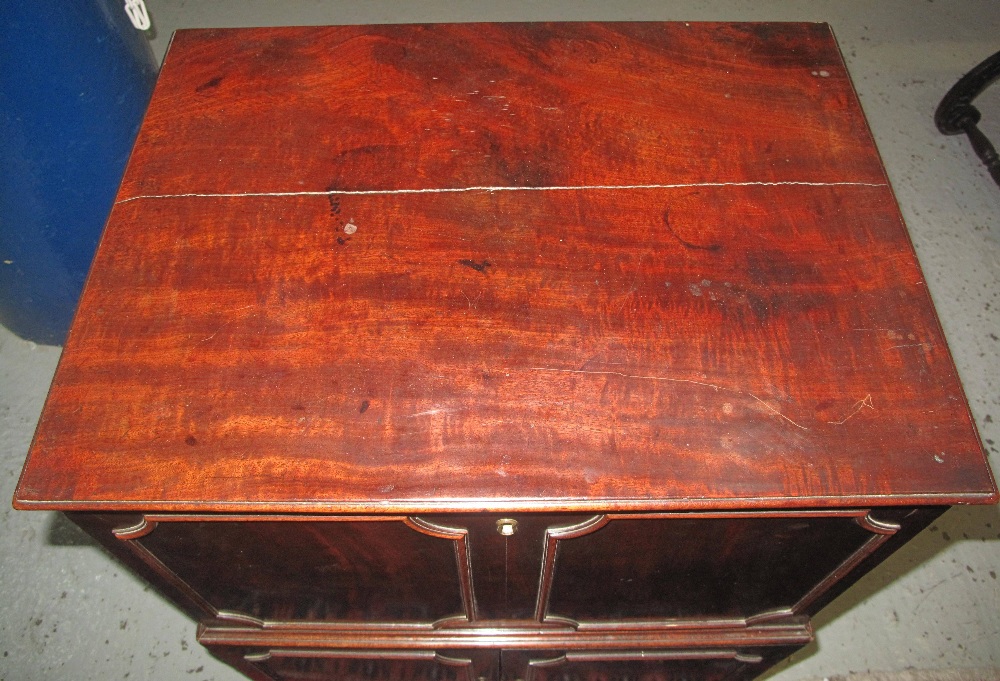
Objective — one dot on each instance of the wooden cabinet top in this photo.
(505, 267)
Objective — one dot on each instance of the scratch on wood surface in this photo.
(452, 190)
(866, 401)
(714, 386)
(430, 412)
(775, 411)
(632, 287)
(909, 345)
(472, 302)
(225, 324)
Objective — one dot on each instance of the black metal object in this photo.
(955, 114)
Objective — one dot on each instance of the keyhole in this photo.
(507, 527)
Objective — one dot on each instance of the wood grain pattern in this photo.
(377, 107)
(749, 332)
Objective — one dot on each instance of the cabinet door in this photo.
(740, 567)
(645, 665)
(280, 664)
(272, 570)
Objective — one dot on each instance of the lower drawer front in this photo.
(644, 665)
(285, 664)
(353, 665)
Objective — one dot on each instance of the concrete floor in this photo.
(67, 611)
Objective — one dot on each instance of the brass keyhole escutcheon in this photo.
(507, 527)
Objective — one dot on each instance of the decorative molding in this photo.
(150, 522)
(330, 628)
(534, 665)
(269, 518)
(453, 621)
(239, 617)
(775, 615)
(434, 529)
(653, 655)
(141, 529)
(522, 636)
(340, 654)
(637, 656)
(877, 526)
(613, 626)
(560, 621)
(580, 529)
(883, 531)
(463, 559)
(553, 535)
(863, 517)
(157, 566)
(721, 515)
(464, 665)
(540, 504)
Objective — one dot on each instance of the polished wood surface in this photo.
(542, 266)
(509, 352)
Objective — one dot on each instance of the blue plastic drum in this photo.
(75, 79)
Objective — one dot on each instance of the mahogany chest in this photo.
(505, 351)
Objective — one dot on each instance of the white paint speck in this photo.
(939, 458)
(350, 228)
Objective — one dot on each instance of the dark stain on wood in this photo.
(209, 84)
(684, 242)
(477, 266)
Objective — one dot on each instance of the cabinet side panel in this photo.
(101, 527)
(911, 522)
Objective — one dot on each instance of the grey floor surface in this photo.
(67, 611)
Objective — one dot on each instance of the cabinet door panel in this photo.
(505, 569)
(700, 566)
(318, 570)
